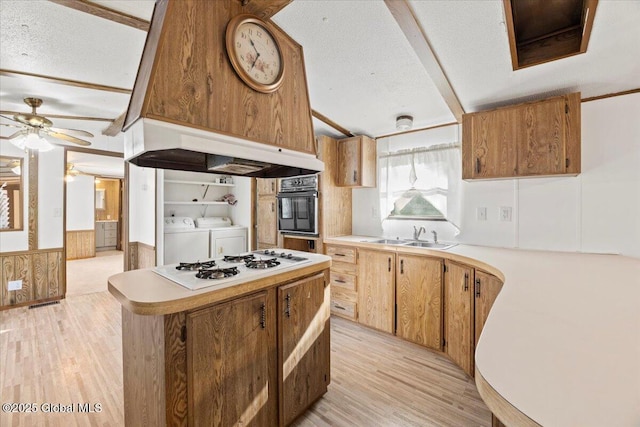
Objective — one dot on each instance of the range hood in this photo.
(158, 144)
(190, 111)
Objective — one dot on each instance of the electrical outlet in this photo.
(14, 285)
(481, 214)
(505, 213)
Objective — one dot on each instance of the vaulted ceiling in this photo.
(361, 69)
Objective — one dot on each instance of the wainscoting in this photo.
(81, 244)
(141, 255)
(42, 276)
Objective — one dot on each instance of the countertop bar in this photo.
(562, 342)
(145, 292)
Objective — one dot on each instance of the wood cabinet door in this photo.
(419, 300)
(488, 144)
(304, 348)
(541, 138)
(266, 186)
(376, 299)
(231, 364)
(267, 221)
(349, 170)
(486, 290)
(458, 315)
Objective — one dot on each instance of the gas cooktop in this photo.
(231, 269)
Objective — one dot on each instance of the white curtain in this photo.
(435, 172)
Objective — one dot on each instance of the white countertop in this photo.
(562, 341)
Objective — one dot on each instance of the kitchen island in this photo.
(249, 351)
(561, 344)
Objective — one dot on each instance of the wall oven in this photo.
(298, 205)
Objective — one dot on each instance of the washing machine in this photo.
(183, 242)
(224, 238)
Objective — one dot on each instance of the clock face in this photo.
(255, 55)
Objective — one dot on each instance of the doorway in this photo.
(93, 220)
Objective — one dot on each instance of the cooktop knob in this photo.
(290, 256)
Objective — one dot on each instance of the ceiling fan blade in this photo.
(76, 132)
(67, 138)
(11, 126)
(15, 135)
(10, 118)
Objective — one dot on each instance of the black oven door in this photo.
(297, 212)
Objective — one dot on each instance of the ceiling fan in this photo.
(34, 126)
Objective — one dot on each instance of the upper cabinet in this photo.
(356, 162)
(534, 139)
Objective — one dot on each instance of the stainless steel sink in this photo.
(431, 245)
(390, 241)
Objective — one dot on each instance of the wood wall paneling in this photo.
(141, 255)
(81, 244)
(33, 200)
(41, 275)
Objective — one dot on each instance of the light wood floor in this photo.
(72, 353)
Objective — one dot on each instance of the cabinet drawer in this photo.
(341, 280)
(110, 226)
(342, 254)
(108, 234)
(110, 242)
(343, 308)
(344, 267)
(344, 295)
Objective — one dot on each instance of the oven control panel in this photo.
(299, 183)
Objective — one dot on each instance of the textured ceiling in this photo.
(361, 70)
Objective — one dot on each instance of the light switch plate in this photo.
(481, 214)
(14, 285)
(505, 213)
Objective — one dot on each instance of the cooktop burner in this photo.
(237, 258)
(262, 263)
(193, 266)
(217, 273)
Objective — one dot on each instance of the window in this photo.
(420, 183)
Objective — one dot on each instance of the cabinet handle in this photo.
(339, 254)
(355, 176)
(477, 165)
(339, 307)
(263, 316)
(389, 263)
(273, 207)
(401, 266)
(477, 288)
(273, 187)
(466, 282)
(339, 281)
(287, 309)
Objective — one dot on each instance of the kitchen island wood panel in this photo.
(191, 81)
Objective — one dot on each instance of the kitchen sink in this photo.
(431, 245)
(390, 241)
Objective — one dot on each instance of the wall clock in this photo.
(254, 53)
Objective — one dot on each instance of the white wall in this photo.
(142, 204)
(241, 213)
(80, 203)
(597, 211)
(51, 199)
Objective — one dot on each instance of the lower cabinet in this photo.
(468, 298)
(376, 289)
(303, 345)
(231, 364)
(458, 315)
(344, 281)
(419, 300)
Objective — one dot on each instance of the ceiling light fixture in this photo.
(404, 122)
(33, 141)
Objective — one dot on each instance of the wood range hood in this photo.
(189, 110)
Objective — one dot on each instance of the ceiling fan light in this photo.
(17, 169)
(69, 178)
(18, 142)
(34, 142)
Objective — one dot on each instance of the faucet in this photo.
(435, 236)
(417, 231)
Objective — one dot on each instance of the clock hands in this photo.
(257, 53)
